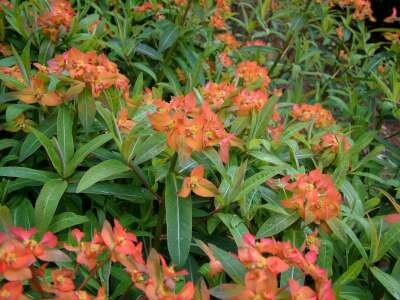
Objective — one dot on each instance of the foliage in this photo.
(247, 142)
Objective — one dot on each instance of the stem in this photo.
(146, 184)
(93, 272)
(161, 210)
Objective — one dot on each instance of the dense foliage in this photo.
(184, 149)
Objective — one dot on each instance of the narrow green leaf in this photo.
(352, 273)
(389, 238)
(276, 223)
(67, 220)
(232, 266)
(169, 36)
(388, 281)
(27, 173)
(150, 148)
(100, 172)
(86, 109)
(235, 225)
(64, 132)
(50, 149)
(179, 222)
(84, 151)
(47, 202)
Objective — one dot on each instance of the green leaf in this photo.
(256, 180)
(23, 214)
(67, 220)
(325, 256)
(100, 172)
(351, 273)
(150, 148)
(169, 36)
(389, 282)
(235, 225)
(84, 151)
(31, 143)
(145, 69)
(147, 51)
(350, 233)
(8, 143)
(389, 238)
(5, 218)
(232, 266)
(276, 223)
(27, 173)
(50, 149)
(47, 202)
(86, 108)
(179, 222)
(64, 132)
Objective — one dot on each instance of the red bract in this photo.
(315, 197)
(321, 117)
(63, 280)
(12, 291)
(332, 142)
(59, 17)
(228, 39)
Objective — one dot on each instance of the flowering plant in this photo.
(199, 149)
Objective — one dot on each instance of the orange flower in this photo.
(314, 197)
(12, 291)
(225, 60)
(313, 112)
(15, 260)
(252, 73)
(36, 93)
(59, 17)
(123, 123)
(216, 93)
(190, 128)
(332, 142)
(340, 32)
(96, 71)
(147, 6)
(181, 2)
(120, 242)
(215, 265)
(298, 292)
(229, 40)
(198, 184)
(14, 72)
(87, 251)
(248, 101)
(63, 280)
(217, 20)
(44, 249)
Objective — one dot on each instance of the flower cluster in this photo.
(197, 184)
(266, 259)
(215, 94)
(96, 71)
(362, 8)
(146, 6)
(321, 117)
(332, 142)
(23, 258)
(59, 18)
(189, 127)
(253, 74)
(217, 19)
(314, 196)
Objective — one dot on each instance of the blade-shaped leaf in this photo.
(27, 173)
(391, 284)
(276, 223)
(236, 227)
(64, 132)
(101, 172)
(179, 222)
(232, 266)
(67, 220)
(47, 202)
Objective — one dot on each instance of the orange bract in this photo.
(252, 73)
(123, 121)
(215, 94)
(313, 112)
(229, 40)
(248, 101)
(315, 197)
(198, 184)
(332, 142)
(96, 71)
(59, 17)
(191, 128)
